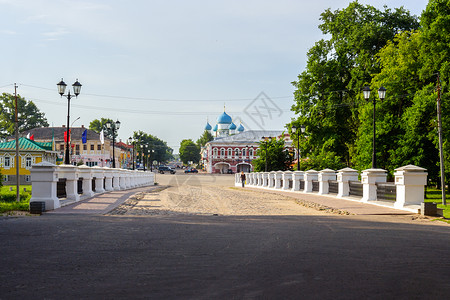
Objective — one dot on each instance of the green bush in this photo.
(10, 196)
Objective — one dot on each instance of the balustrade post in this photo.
(310, 176)
(70, 173)
(99, 175)
(287, 177)
(116, 180)
(369, 179)
(278, 179)
(271, 183)
(343, 178)
(410, 184)
(109, 179)
(324, 176)
(86, 173)
(44, 177)
(265, 179)
(298, 175)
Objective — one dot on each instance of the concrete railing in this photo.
(409, 184)
(45, 177)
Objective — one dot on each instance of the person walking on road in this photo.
(242, 178)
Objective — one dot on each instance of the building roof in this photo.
(46, 133)
(250, 136)
(26, 145)
(240, 128)
(208, 126)
(232, 126)
(215, 128)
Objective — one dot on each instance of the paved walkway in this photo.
(100, 204)
(349, 204)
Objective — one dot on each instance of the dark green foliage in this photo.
(161, 152)
(189, 151)
(278, 157)
(99, 125)
(29, 116)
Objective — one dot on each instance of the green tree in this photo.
(189, 151)
(204, 138)
(157, 149)
(99, 125)
(278, 157)
(328, 92)
(29, 116)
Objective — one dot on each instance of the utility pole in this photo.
(441, 152)
(16, 125)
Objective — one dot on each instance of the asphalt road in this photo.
(57, 256)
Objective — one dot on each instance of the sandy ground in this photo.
(210, 195)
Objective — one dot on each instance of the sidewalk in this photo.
(348, 204)
(100, 204)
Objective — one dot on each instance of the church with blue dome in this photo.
(233, 147)
(224, 126)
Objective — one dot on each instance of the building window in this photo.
(99, 147)
(92, 147)
(244, 152)
(85, 147)
(250, 153)
(6, 178)
(28, 162)
(236, 152)
(7, 162)
(222, 152)
(230, 152)
(215, 151)
(61, 147)
(77, 147)
(27, 178)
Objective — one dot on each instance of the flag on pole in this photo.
(32, 137)
(84, 136)
(102, 137)
(53, 139)
(65, 136)
(28, 135)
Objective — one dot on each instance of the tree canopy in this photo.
(29, 116)
(328, 98)
(99, 125)
(189, 151)
(157, 148)
(278, 157)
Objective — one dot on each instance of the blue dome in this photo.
(215, 128)
(208, 126)
(240, 128)
(232, 126)
(224, 119)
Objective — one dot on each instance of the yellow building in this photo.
(30, 152)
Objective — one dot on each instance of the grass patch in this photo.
(8, 198)
(435, 195)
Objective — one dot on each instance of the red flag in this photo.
(32, 137)
(65, 136)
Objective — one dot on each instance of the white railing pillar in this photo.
(310, 176)
(410, 182)
(108, 179)
(265, 179)
(122, 179)
(287, 177)
(278, 177)
(324, 176)
(116, 180)
(70, 173)
(343, 178)
(44, 177)
(86, 173)
(271, 184)
(369, 179)
(99, 174)
(298, 175)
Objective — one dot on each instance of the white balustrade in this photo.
(45, 176)
(410, 181)
(369, 179)
(325, 176)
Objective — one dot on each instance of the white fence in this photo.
(45, 178)
(407, 192)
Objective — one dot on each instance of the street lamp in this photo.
(130, 140)
(76, 90)
(143, 154)
(151, 162)
(381, 95)
(114, 126)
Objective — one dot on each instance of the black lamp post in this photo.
(132, 150)
(114, 126)
(76, 90)
(381, 95)
(295, 130)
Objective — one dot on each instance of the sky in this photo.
(163, 67)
